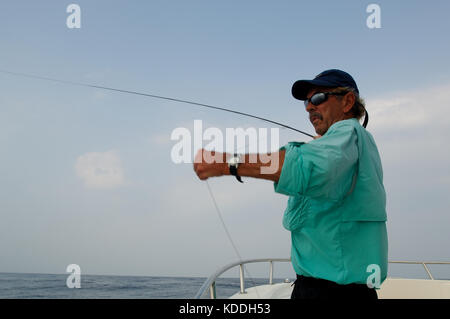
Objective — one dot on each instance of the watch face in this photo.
(234, 160)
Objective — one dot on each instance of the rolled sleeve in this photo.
(322, 168)
(290, 179)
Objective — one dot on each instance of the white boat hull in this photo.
(392, 288)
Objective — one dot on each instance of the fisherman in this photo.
(336, 211)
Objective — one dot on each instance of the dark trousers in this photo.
(313, 288)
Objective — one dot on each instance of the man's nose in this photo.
(310, 107)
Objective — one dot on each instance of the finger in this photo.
(199, 156)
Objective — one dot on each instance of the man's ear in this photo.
(348, 101)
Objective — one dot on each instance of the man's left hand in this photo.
(210, 164)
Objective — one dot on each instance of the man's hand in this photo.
(210, 164)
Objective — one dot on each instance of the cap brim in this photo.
(301, 88)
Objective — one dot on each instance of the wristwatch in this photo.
(233, 164)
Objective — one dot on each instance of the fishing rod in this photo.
(43, 78)
(31, 76)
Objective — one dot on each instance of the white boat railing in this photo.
(423, 263)
(211, 281)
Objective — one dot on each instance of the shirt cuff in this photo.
(289, 181)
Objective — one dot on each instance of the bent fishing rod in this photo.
(44, 78)
(89, 85)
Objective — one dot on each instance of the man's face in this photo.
(324, 115)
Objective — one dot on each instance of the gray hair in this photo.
(359, 108)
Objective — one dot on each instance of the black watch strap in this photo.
(234, 167)
(233, 171)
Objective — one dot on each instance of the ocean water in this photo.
(49, 286)
(46, 286)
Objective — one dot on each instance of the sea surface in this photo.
(51, 286)
(46, 286)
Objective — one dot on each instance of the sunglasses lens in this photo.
(318, 98)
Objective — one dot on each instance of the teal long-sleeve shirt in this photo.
(336, 211)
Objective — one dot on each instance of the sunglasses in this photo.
(319, 98)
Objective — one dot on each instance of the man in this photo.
(336, 209)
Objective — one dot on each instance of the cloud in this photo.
(411, 109)
(161, 139)
(410, 128)
(411, 131)
(100, 170)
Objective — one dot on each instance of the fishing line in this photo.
(38, 77)
(229, 236)
(222, 221)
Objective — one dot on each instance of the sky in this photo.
(87, 176)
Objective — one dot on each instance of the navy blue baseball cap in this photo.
(329, 78)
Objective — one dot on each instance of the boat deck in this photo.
(392, 288)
